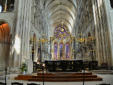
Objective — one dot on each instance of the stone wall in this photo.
(9, 18)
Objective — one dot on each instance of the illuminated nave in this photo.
(65, 42)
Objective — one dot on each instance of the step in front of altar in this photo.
(60, 77)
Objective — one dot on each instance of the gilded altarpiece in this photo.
(62, 49)
(62, 44)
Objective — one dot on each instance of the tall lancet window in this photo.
(67, 50)
(55, 50)
(61, 50)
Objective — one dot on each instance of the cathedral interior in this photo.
(48, 41)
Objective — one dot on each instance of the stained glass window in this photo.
(61, 50)
(67, 50)
(61, 31)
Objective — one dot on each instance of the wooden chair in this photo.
(16, 83)
(104, 84)
(1, 83)
(33, 84)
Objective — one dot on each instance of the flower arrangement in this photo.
(23, 68)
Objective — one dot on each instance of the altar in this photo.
(64, 65)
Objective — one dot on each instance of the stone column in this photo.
(52, 49)
(101, 33)
(22, 35)
(110, 28)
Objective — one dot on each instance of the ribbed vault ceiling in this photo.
(61, 12)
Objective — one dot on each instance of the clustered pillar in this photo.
(103, 49)
(23, 31)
